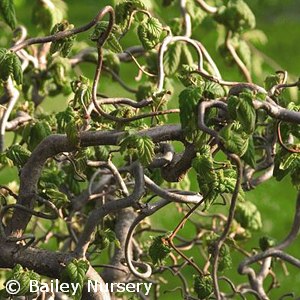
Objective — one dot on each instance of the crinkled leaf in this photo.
(244, 52)
(212, 90)
(65, 45)
(7, 11)
(18, 154)
(75, 272)
(249, 156)
(125, 8)
(172, 58)
(159, 250)
(47, 13)
(23, 277)
(266, 242)
(248, 215)
(58, 198)
(143, 146)
(38, 132)
(188, 101)
(63, 118)
(149, 33)
(233, 140)
(236, 16)
(203, 286)
(111, 42)
(10, 65)
(241, 109)
(272, 80)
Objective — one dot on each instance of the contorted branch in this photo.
(56, 144)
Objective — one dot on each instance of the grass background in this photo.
(280, 21)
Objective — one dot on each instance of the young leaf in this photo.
(149, 33)
(266, 242)
(236, 16)
(234, 140)
(83, 92)
(7, 10)
(73, 134)
(249, 156)
(188, 101)
(143, 146)
(206, 176)
(63, 118)
(112, 42)
(47, 13)
(124, 9)
(105, 237)
(241, 109)
(248, 215)
(172, 58)
(203, 286)
(63, 46)
(39, 131)
(23, 277)
(75, 272)
(10, 65)
(212, 90)
(58, 198)
(18, 154)
(158, 251)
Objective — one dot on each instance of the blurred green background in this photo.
(280, 21)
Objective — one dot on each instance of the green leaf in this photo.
(186, 56)
(196, 13)
(83, 93)
(143, 146)
(58, 198)
(10, 65)
(188, 102)
(73, 133)
(236, 16)
(266, 242)
(158, 250)
(172, 58)
(47, 13)
(234, 140)
(206, 176)
(149, 32)
(112, 42)
(145, 91)
(64, 118)
(249, 156)
(125, 8)
(105, 237)
(188, 78)
(285, 163)
(272, 80)
(38, 132)
(18, 154)
(248, 215)
(75, 272)
(63, 46)
(23, 277)
(212, 90)
(59, 68)
(7, 10)
(111, 61)
(244, 52)
(241, 109)
(203, 286)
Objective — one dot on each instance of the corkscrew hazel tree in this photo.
(91, 175)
